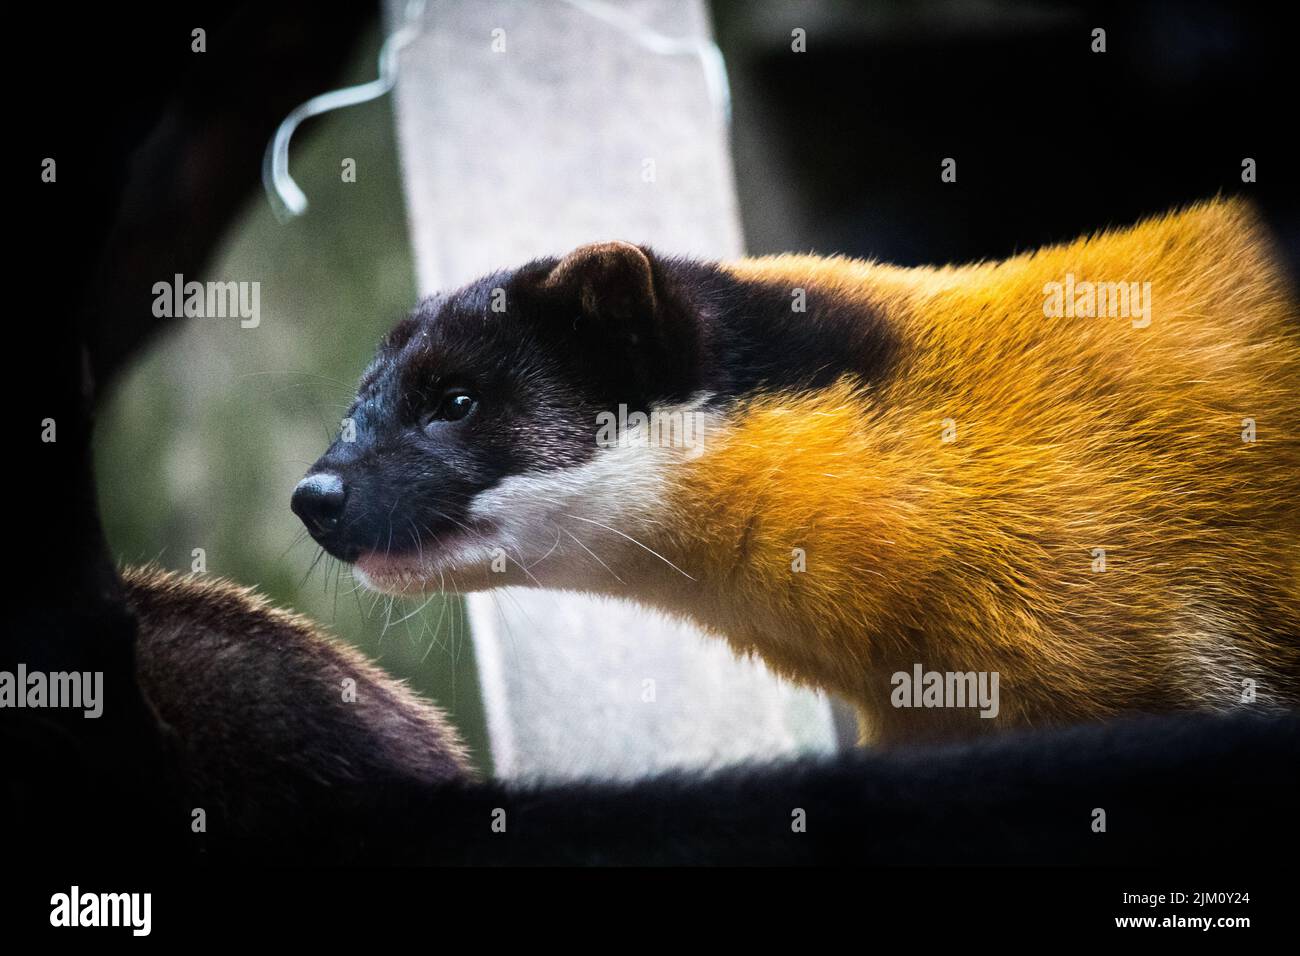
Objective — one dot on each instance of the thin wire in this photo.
(710, 54)
(288, 200)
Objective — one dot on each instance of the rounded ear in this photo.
(607, 281)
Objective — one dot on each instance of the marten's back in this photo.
(259, 705)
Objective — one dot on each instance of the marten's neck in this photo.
(767, 330)
(793, 527)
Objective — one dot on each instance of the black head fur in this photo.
(543, 350)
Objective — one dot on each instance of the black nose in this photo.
(318, 501)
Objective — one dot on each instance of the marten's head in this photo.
(505, 427)
(476, 425)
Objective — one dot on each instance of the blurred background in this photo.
(205, 436)
(835, 149)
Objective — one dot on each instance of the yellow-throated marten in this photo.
(1076, 469)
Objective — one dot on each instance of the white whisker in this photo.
(634, 541)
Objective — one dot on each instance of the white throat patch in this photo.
(568, 527)
(596, 511)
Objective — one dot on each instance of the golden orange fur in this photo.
(1071, 434)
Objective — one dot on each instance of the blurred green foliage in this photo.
(201, 442)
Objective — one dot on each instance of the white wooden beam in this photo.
(527, 129)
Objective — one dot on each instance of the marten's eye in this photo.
(454, 405)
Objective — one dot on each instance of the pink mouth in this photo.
(412, 570)
(400, 573)
(388, 566)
